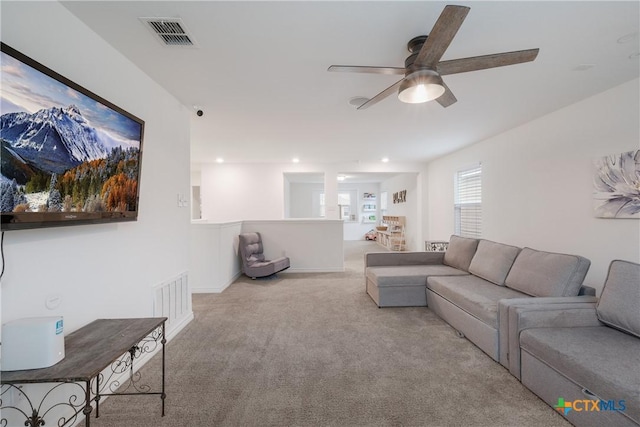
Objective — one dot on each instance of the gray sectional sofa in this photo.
(465, 284)
(528, 310)
(588, 354)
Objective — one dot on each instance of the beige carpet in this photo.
(314, 350)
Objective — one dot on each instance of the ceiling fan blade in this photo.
(366, 69)
(486, 61)
(441, 35)
(382, 95)
(447, 98)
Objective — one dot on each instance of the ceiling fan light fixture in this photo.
(421, 86)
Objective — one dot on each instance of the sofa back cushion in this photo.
(619, 303)
(493, 261)
(547, 274)
(460, 252)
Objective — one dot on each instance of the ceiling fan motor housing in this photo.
(414, 45)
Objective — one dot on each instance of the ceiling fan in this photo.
(423, 69)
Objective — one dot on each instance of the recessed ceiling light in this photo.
(634, 55)
(295, 160)
(219, 160)
(628, 38)
(385, 160)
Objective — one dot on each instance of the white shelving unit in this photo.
(393, 237)
(369, 208)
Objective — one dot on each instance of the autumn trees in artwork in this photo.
(119, 192)
(107, 184)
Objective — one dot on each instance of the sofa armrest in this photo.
(507, 304)
(384, 259)
(545, 316)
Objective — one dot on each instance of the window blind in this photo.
(468, 202)
(344, 198)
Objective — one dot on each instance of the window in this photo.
(345, 200)
(468, 202)
(344, 203)
(322, 206)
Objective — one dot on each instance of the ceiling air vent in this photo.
(170, 31)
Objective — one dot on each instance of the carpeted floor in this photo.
(314, 350)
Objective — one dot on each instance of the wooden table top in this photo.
(89, 350)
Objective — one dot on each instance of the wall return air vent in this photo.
(170, 31)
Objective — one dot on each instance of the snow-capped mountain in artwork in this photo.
(54, 139)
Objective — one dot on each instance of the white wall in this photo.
(286, 188)
(196, 200)
(249, 191)
(100, 271)
(537, 182)
(303, 202)
(408, 209)
(312, 245)
(233, 192)
(195, 177)
(214, 263)
(213, 259)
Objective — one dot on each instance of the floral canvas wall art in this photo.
(617, 186)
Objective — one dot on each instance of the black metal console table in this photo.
(89, 351)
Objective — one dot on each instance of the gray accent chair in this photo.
(588, 351)
(254, 263)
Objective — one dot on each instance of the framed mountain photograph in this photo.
(68, 156)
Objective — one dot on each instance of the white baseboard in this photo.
(179, 326)
(216, 289)
(315, 270)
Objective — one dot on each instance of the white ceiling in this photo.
(344, 177)
(259, 71)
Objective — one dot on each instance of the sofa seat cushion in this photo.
(601, 359)
(408, 274)
(547, 274)
(474, 295)
(493, 261)
(267, 268)
(619, 304)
